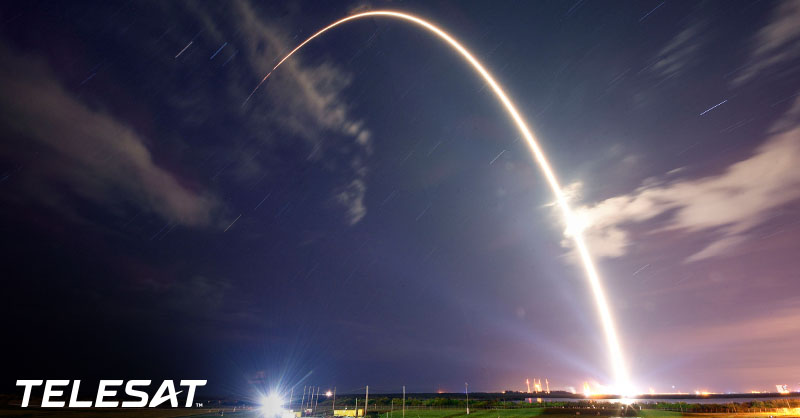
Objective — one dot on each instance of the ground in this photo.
(423, 413)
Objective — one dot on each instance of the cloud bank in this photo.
(727, 205)
(75, 150)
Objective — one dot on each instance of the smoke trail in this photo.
(612, 341)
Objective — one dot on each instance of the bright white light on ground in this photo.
(272, 406)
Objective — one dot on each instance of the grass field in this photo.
(119, 413)
(476, 413)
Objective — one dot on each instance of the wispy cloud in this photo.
(73, 150)
(764, 353)
(352, 197)
(726, 206)
(677, 55)
(777, 42)
(307, 101)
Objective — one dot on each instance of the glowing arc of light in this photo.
(592, 276)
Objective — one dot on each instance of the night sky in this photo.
(372, 216)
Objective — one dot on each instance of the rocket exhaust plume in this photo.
(612, 341)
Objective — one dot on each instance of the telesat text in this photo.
(107, 390)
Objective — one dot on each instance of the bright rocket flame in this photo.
(612, 341)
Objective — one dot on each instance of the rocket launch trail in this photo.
(612, 341)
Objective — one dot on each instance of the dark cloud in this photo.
(73, 150)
